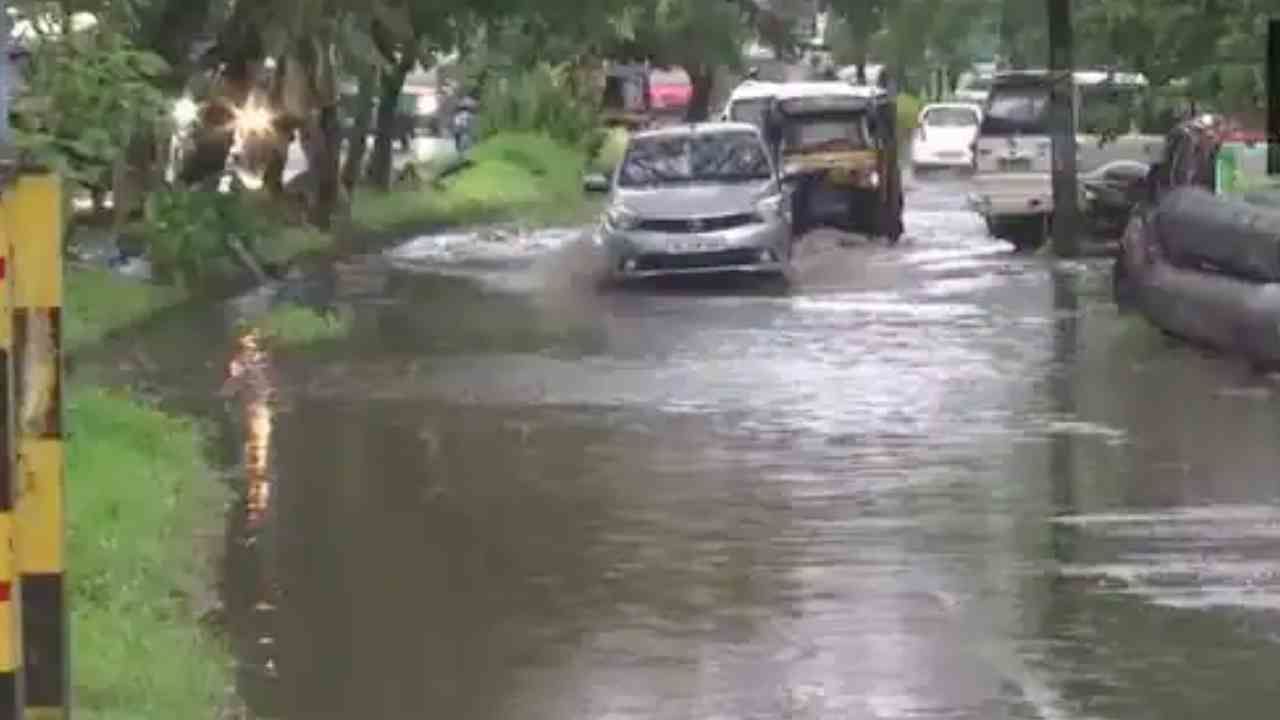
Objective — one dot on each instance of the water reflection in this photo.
(251, 589)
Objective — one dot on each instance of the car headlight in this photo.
(620, 218)
(873, 178)
(773, 207)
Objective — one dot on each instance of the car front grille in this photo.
(696, 261)
(697, 225)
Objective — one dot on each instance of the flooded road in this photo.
(931, 481)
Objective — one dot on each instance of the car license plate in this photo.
(696, 245)
(1015, 164)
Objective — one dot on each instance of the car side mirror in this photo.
(596, 183)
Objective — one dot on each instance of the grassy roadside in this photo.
(512, 175)
(139, 487)
(99, 301)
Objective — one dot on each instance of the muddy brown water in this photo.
(931, 481)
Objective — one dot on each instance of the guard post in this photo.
(34, 226)
(12, 680)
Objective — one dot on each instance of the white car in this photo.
(945, 135)
(974, 87)
(749, 102)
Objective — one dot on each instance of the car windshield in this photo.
(1017, 110)
(837, 133)
(950, 117)
(749, 111)
(719, 157)
(980, 84)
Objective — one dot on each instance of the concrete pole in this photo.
(5, 80)
(1273, 97)
(1063, 128)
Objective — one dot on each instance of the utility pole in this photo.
(1063, 128)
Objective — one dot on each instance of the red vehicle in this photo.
(669, 90)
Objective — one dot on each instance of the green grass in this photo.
(100, 301)
(291, 242)
(291, 324)
(524, 175)
(138, 490)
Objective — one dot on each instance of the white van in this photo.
(1013, 165)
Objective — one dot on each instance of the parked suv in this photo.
(1013, 167)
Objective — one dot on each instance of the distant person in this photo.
(463, 124)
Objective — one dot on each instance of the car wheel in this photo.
(1028, 235)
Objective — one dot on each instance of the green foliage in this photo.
(692, 34)
(139, 491)
(85, 94)
(541, 100)
(188, 233)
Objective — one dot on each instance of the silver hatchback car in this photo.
(696, 199)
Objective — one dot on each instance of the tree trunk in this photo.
(388, 105)
(323, 162)
(134, 174)
(703, 81)
(358, 142)
(213, 138)
(278, 159)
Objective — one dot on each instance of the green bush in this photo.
(541, 100)
(187, 233)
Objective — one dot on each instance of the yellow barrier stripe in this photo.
(40, 514)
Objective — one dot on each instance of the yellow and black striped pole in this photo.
(11, 687)
(34, 225)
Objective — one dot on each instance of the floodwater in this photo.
(937, 480)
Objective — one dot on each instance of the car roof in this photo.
(791, 91)
(707, 128)
(755, 90)
(1082, 77)
(952, 106)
